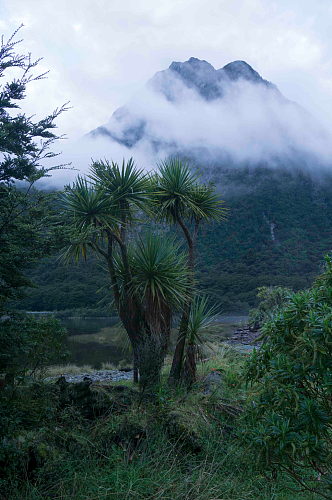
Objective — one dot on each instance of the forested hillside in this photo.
(277, 229)
(61, 287)
(276, 233)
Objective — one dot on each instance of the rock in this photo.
(245, 336)
(255, 327)
(211, 381)
(97, 376)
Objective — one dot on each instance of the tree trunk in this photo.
(189, 369)
(135, 367)
(128, 309)
(175, 373)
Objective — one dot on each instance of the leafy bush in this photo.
(289, 425)
(273, 298)
(28, 344)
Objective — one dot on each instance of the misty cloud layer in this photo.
(210, 117)
(99, 53)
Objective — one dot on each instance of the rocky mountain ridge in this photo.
(127, 128)
(207, 81)
(230, 115)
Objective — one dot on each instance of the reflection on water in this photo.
(90, 352)
(233, 318)
(94, 341)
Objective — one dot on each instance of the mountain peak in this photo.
(240, 69)
(193, 63)
(208, 81)
(180, 84)
(199, 75)
(195, 71)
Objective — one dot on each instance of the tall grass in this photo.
(131, 452)
(160, 468)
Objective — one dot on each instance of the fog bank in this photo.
(230, 116)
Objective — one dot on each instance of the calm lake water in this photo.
(94, 341)
(93, 353)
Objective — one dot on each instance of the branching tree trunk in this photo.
(128, 306)
(176, 369)
(155, 280)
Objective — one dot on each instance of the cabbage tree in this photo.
(147, 273)
(181, 200)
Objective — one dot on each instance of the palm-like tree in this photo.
(150, 279)
(181, 200)
(159, 271)
(201, 320)
(148, 282)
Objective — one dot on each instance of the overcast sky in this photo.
(100, 52)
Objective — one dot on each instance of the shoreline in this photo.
(95, 376)
(118, 375)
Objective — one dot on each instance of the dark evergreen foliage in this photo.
(289, 425)
(26, 214)
(28, 230)
(21, 154)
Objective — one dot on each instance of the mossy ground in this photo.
(114, 442)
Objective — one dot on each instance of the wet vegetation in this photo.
(112, 441)
(207, 422)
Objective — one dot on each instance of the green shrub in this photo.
(273, 298)
(289, 423)
(28, 344)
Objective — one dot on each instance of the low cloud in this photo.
(251, 123)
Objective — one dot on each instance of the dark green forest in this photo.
(234, 257)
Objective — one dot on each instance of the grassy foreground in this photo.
(112, 442)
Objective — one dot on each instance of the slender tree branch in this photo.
(100, 250)
(197, 222)
(124, 253)
(9, 219)
(111, 270)
(176, 368)
(111, 234)
(123, 222)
